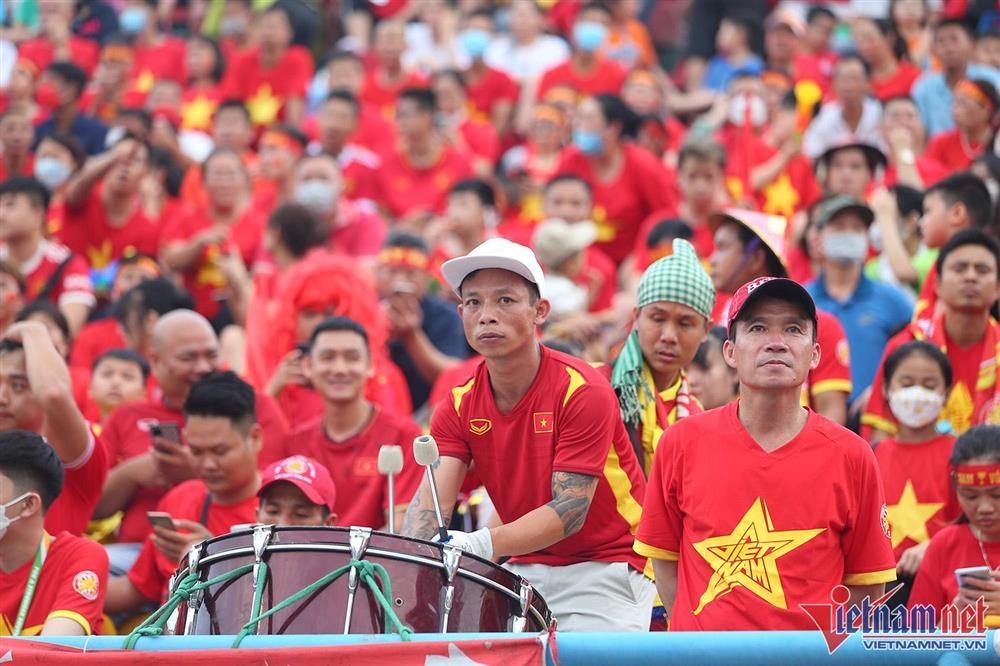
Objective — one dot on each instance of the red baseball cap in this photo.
(771, 287)
(309, 476)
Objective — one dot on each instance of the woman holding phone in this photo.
(962, 562)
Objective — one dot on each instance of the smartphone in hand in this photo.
(169, 431)
(161, 519)
(982, 573)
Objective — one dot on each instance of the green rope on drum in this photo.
(367, 571)
(153, 625)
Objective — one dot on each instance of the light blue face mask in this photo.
(475, 42)
(589, 143)
(132, 20)
(51, 172)
(588, 36)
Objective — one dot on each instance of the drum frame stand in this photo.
(261, 540)
(527, 595)
(450, 556)
(359, 538)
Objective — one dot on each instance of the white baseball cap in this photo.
(494, 253)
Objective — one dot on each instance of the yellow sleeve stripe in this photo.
(828, 385)
(653, 552)
(876, 421)
(76, 617)
(576, 380)
(871, 578)
(459, 392)
(621, 486)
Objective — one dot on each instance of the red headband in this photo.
(282, 140)
(972, 90)
(977, 475)
(403, 256)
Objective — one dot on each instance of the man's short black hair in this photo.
(225, 395)
(483, 190)
(819, 11)
(424, 98)
(298, 228)
(339, 324)
(144, 117)
(853, 56)
(29, 186)
(968, 237)
(956, 22)
(236, 104)
(667, 229)
(31, 464)
(70, 143)
(343, 54)
(968, 189)
(70, 73)
(126, 355)
(922, 347)
(346, 96)
(568, 178)
(159, 295)
(452, 74)
(50, 310)
(406, 239)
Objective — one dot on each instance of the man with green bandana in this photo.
(672, 318)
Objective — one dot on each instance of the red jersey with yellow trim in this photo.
(83, 481)
(757, 533)
(73, 286)
(88, 231)
(918, 489)
(71, 585)
(621, 204)
(361, 491)
(263, 90)
(152, 569)
(568, 421)
(405, 189)
(954, 547)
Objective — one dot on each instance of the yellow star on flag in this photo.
(958, 408)
(144, 82)
(780, 198)
(747, 557)
(263, 106)
(197, 114)
(908, 517)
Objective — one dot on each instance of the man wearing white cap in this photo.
(544, 433)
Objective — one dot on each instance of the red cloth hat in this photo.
(309, 476)
(780, 288)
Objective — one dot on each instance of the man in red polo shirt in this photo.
(222, 432)
(36, 394)
(348, 435)
(544, 433)
(384, 82)
(143, 439)
(416, 178)
(796, 509)
(337, 121)
(587, 71)
(104, 211)
(71, 571)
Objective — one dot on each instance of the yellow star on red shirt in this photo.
(780, 198)
(747, 557)
(263, 106)
(197, 114)
(144, 82)
(908, 517)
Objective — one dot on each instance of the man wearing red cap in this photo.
(297, 491)
(796, 510)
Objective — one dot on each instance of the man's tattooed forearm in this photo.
(420, 521)
(571, 495)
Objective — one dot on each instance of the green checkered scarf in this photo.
(678, 278)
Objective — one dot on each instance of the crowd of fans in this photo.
(271, 189)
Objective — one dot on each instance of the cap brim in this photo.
(782, 289)
(862, 211)
(880, 157)
(307, 489)
(456, 270)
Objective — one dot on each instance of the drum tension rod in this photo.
(451, 556)
(526, 594)
(262, 535)
(359, 538)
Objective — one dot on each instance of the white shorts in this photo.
(593, 596)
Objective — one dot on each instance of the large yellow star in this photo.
(780, 198)
(908, 517)
(263, 106)
(958, 409)
(197, 114)
(144, 82)
(747, 557)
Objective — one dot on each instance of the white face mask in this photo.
(738, 110)
(4, 520)
(847, 246)
(916, 406)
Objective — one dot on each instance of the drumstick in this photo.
(390, 463)
(425, 452)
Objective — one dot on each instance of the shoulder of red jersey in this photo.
(80, 549)
(394, 421)
(184, 493)
(307, 427)
(56, 252)
(836, 433)
(353, 153)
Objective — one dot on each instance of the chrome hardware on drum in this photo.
(434, 588)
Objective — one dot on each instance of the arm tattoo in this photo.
(420, 521)
(571, 496)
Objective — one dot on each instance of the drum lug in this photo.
(261, 538)
(359, 538)
(451, 556)
(526, 593)
(194, 556)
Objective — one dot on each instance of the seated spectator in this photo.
(476, 139)
(561, 249)
(733, 54)
(118, 376)
(904, 260)
(974, 110)
(110, 91)
(156, 55)
(878, 42)
(58, 158)
(52, 271)
(817, 60)
(660, 240)
(37, 396)
(71, 571)
(854, 115)
(469, 219)
(905, 138)
(224, 439)
(16, 137)
(850, 168)
(587, 71)
(492, 92)
(297, 492)
(202, 91)
(279, 150)
(338, 123)
(988, 48)
(66, 82)
(56, 41)
(426, 335)
(713, 382)
(527, 51)
(345, 72)
(385, 83)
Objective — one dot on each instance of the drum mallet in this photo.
(390, 463)
(425, 452)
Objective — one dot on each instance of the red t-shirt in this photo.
(952, 152)
(763, 532)
(480, 140)
(152, 569)
(375, 131)
(73, 286)
(815, 67)
(898, 84)
(405, 188)
(954, 547)
(126, 435)
(918, 489)
(492, 87)
(362, 498)
(794, 189)
(88, 232)
(265, 91)
(165, 60)
(640, 187)
(84, 53)
(606, 78)
(83, 482)
(568, 421)
(382, 96)
(71, 585)
(359, 169)
(358, 231)
(599, 276)
(834, 370)
(198, 106)
(95, 338)
(205, 279)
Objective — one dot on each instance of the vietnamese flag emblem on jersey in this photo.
(543, 422)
